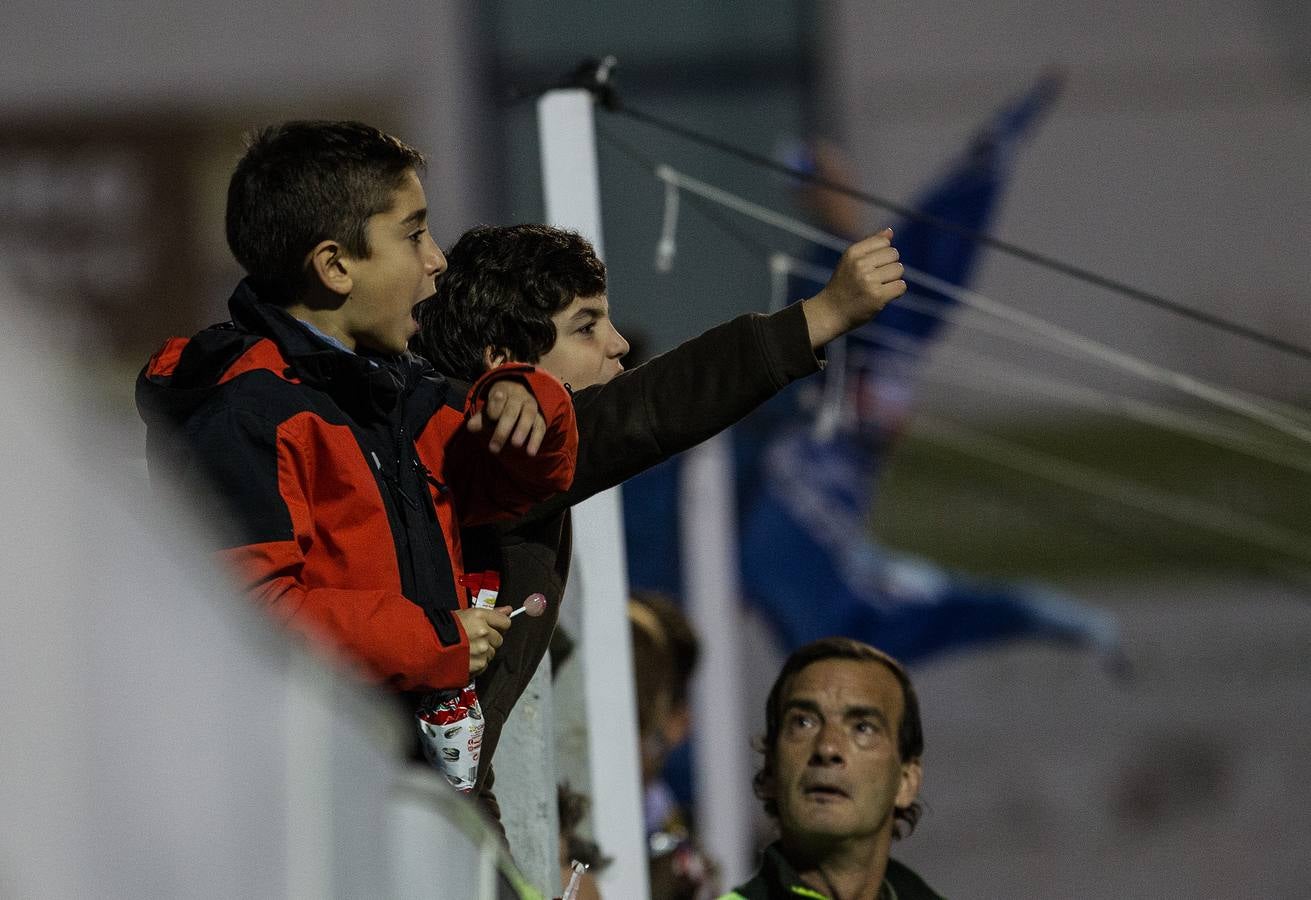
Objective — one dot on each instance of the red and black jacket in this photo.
(347, 479)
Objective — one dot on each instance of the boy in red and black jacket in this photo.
(347, 465)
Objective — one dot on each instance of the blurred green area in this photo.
(998, 520)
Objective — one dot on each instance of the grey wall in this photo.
(148, 59)
(1175, 161)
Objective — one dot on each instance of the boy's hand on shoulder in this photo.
(483, 628)
(512, 414)
(867, 278)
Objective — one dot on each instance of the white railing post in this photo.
(572, 192)
(711, 588)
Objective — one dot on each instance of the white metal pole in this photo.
(711, 586)
(572, 190)
(526, 776)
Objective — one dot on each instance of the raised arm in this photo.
(680, 398)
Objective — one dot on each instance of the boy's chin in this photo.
(384, 346)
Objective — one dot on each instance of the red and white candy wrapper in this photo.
(451, 730)
(485, 586)
(451, 722)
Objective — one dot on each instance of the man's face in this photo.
(587, 347)
(399, 272)
(837, 774)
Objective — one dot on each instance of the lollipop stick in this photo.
(571, 890)
(534, 605)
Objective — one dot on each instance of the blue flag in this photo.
(806, 493)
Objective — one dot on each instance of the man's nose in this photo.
(830, 745)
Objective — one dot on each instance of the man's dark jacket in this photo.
(633, 422)
(778, 880)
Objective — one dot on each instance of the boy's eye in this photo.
(416, 236)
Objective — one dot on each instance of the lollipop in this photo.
(533, 604)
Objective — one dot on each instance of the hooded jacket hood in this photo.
(261, 337)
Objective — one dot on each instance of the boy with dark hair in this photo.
(504, 286)
(347, 465)
(506, 291)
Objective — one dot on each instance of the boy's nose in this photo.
(437, 261)
(620, 346)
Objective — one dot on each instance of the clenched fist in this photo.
(867, 278)
(484, 628)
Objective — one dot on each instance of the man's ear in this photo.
(911, 774)
(331, 268)
(495, 356)
(763, 787)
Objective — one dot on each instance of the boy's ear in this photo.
(495, 356)
(331, 268)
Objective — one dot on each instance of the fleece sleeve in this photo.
(496, 486)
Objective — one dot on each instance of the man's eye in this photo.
(418, 235)
(587, 329)
(798, 721)
(867, 732)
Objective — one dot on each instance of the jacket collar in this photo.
(366, 385)
(777, 870)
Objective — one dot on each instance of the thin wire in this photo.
(1039, 259)
(996, 328)
(1185, 510)
(1109, 355)
(1085, 397)
(820, 275)
(1088, 398)
(1098, 401)
(1181, 509)
(783, 264)
(1286, 575)
(1187, 384)
(708, 210)
(1141, 411)
(1165, 418)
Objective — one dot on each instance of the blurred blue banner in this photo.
(807, 464)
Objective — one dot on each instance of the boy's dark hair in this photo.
(910, 733)
(300, 183)
(501, 287)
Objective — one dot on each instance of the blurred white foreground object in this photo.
(162, 739)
